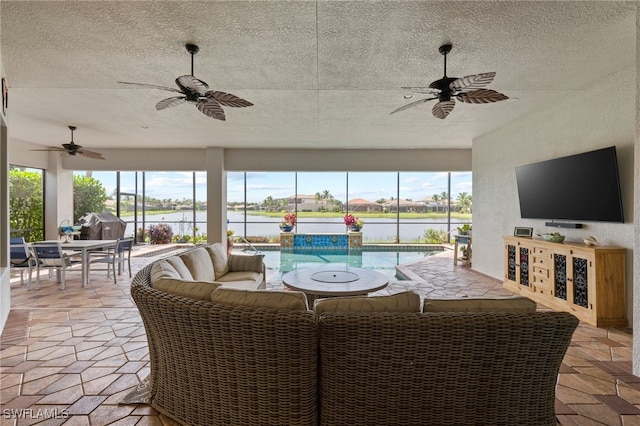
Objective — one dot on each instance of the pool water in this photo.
(382, 261)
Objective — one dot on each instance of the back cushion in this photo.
(507, 304)
(407, 301)
(218, 259)
(245, 262)
(164, 277)
(179, 266)
(290, 300)
(199, 263)
(163, 269)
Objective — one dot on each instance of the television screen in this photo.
(578, 187)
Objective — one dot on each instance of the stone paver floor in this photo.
(70, 356)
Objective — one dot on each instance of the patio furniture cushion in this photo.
(407, 301)
(242, 262)
(179, 266)
(219, 259)
(192, 289)
(507, 304)
(290, 300)
(240, 276)
(199, 264)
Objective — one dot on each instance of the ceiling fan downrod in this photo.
(192, 49)
(72, 128)
(444, 50)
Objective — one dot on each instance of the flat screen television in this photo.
(583, 187)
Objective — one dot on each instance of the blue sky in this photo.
(369, 185)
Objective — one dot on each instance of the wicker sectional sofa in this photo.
(258, 357)
(197, 272)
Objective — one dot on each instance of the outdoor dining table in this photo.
(84, 247)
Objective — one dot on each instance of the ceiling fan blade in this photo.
(481, 96)
(51, 148)
(170, 102)
(227, 99)
(429, 90)
(211, 108)
(151, 86)
(442, 109)
(412, 104)
(90, 154)
(472, 82)
(192, 84)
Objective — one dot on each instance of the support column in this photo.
(58, 196)
(216, 196)
(5, 270)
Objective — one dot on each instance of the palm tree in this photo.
(436, 198)
(444, 197)
(464, 202)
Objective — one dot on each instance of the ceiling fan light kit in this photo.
(447, 90)
(72, 149)
(195, 91)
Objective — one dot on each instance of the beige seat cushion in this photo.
(241, 276)
(219, 259)
(199, 264)
(407, 301)
(291, 300)
(192, 289)
(507, 304)
(165, 277)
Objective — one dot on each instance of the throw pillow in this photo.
(507, 304)
(199, 263)
(245, 262)
(180, 267)
(218, 259)
(407, 301)
(291, 300)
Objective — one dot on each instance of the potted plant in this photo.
(288, 222)
(464, 229)
(354, 223)
(160, 233)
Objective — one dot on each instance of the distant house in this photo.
(362, 205)
(303, 203)
(405, 206)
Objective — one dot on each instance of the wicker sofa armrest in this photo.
(214, 365)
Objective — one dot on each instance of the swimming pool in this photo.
(383, 261)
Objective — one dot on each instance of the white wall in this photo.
(600, 116)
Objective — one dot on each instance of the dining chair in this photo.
(50, 255)
(118, 255)
(21, 258)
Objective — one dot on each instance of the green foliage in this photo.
(89, 196)
(435, 236)
(26, 204)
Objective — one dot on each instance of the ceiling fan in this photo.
(197, 92)
(72, 149)
(446, 90)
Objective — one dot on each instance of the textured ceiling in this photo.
(321, 74)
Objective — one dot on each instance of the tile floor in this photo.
(69, 356)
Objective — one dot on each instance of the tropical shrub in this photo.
(435, 236)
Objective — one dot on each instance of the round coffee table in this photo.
(334, 280)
